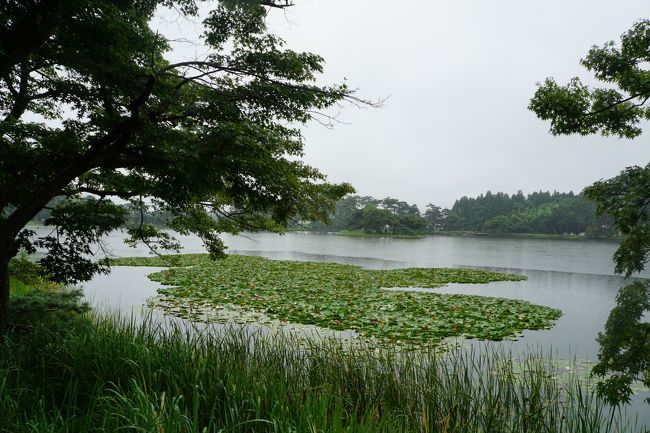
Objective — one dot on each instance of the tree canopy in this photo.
(92, 109)
(388, 216)
(497, 213)
(616, 109)
(539, 212)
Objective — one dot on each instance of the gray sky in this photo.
(459, 75)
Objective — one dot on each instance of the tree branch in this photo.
(10, 86)
(101, 151)
(20, 96)
(619, 102)
(279, 4)
(247, 73)
(230, 217)
(105, 193)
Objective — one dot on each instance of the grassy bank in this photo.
(97, 373)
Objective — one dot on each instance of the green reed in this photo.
(102, 373)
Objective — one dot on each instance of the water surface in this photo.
(575, 276)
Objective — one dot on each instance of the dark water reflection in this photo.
(574, 276)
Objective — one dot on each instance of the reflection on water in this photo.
(573, 256)
(575, 276)
(124, 289)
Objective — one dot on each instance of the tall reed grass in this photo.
(106, 374)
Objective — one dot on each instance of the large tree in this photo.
(616, 109)
(92, 109)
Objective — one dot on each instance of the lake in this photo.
(575, 276)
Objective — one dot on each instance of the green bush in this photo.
(25, 270)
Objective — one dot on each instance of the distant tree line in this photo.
(135, 213)
(539, 212)
(499, 213)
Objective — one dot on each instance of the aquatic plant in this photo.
(344, 297)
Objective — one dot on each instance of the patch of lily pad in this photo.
(345, 297)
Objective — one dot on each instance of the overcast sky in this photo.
(458, 76)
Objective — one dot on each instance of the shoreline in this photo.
(461, 233)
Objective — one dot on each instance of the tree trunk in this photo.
(4, 291)
(7, 251)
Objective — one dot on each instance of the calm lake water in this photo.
(575, 276)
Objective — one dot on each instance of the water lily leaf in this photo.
(342, 297)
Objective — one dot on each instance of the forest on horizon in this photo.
(540, 212)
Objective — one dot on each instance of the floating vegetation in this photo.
(563, 371)
(343, 297)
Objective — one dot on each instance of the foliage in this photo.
(539, 212)
(25, 270)
(435, 216)
(91, 106)
(79, 224)
(342, 297)
(612, 110)
(625, 197)
(615, 110)
(388, 216)
(136, 213)
(399, 208)
(115, 375)
(53, 309)
(625, 344)
(27, 276)
(373, 220)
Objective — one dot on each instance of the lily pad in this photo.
(345, 297)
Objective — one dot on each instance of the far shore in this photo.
(362, 234)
